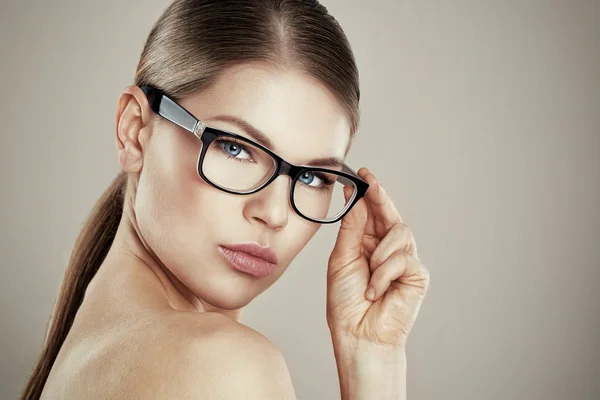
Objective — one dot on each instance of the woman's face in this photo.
(184, 220)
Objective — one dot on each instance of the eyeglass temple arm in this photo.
(170, 110)
(348, 170)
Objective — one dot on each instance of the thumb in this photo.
(349, 239)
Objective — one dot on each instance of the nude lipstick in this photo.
(250, 258)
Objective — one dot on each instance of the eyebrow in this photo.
(265, 141)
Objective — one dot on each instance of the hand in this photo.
(374, 249)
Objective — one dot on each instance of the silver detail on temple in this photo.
(199, 128)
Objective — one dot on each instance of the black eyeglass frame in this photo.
(167, 108)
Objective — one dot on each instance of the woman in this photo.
(231, 144)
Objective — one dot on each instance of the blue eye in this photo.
(307, 178)
(315, 180)
(232, 148)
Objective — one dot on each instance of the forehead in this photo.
(297, 113)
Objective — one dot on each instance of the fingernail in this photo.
(371, 293)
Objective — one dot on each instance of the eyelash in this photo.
(238, 143)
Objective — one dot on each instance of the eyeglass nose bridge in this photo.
(282, 168)
(285, 168)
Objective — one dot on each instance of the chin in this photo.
(228, 301)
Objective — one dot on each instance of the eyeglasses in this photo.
(238, 165)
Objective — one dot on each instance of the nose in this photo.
(271, 204)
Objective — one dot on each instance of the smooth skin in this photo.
(161, 319)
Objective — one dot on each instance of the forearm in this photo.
(368, 372)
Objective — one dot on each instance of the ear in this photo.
(132, 128)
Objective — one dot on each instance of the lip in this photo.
(250, 258)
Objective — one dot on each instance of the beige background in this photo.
(482, 119)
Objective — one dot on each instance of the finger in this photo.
(348, 243)
(399, 237)
(384, 210)
(399, 266)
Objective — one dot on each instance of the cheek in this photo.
(181, 216)
(298, 235)
(169, 203)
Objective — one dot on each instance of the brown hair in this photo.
(188, 46)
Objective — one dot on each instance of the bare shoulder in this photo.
(216, 357)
